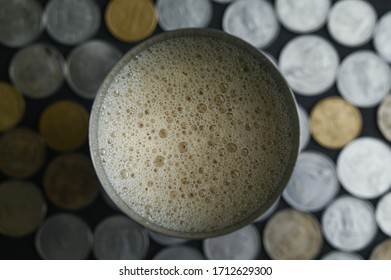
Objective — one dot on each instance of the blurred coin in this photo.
(166, 240)
(21, 22)
(179, 253)
(22, 208)
(363, 167)
(349, 223)
(12, 106)
(351, 23)
(335, 122)
(364, 78)
(305, 134)
(131, 20)
(382, 37)
(64, 125)
(309, 63)
(22, 153)
(313, 183)
(64, 237)
(88, 65)
(338, 255)
(70, 181)
(302, 16)
(383, 214)
(70, 22)
(291, 234)
(37, 70)
(119, 238)
(175, 14)
(382, 251)
(253, 21)
(384, 117)
(243, 244)
(268, 212)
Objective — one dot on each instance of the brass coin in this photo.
(335, 122)
(22, 152)
(131, 20)
(12, 106)
(70, 181)
(382, 251)
(64, 125)
(384, 118)
(22, 208)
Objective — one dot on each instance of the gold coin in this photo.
(70, 181)
(64, 125)
(22, 208)
(382, 251)
(22, 152)
(131, 20)
(335, 122)
(12, 106)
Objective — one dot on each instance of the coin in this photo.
(22, 208)
(335, 122)
(12, 106)
(291, 234)
(22, 153)
(382, 251)
(309, 63)
(382, 37)
(302, 16)
(363, 167)
(70, 22)
(165, 240)
(131, 20)
(253, 21)
(364, 78)
(305, 133)
(338, 255)
(349, 223)
(179, 253)
(88, 64)
(70, 181)
(313, 183)
(384, 117)
(119, 238)
(64, 125)
(243, 244)
(175, 14)
(351, 23)
(383, 214)
(268, 212)
(21, 22)
(64, 237)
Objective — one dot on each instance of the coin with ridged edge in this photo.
(12, 106)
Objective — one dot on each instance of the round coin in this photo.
(338, 255)
(70, 22)
(305, 133)
(302, 16)
(64, 125)
(382, 251)
(12, 106)
(119, 238)
(383, 214)
(351, 23)
(253, 21)
(37, 70)
(291, 234)
(22, 153)
(22, 208)
(88, 65)
(363, 167)
(309, 63)
(64, 237)
(131, 20)
(382, 37)
(349, 223)
(179, 253)
(165, 240)
(70, 181)
(384, 118)
(335, 122)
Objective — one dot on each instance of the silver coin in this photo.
(119, 238)
(302, 16)
(382, 37)
(384, 117)
(364, 79)
(309, 63)
(313, 183)
(179, 253)
(338, 255)
(175, 14)
(305, 134)
(243, 244)
(351, 23)
(382, 251)
(253, 21)
(166, 240)
(383, 214)
(268, 212)
(88, 65)
(349, 223)
(363, 167)
(37, 70)
(21, 22)
(64, 237)
(71, 22)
